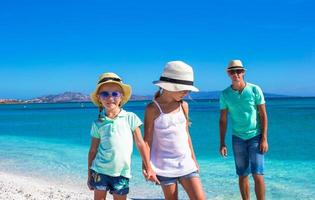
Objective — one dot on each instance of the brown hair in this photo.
(157, 94)
(185, 113)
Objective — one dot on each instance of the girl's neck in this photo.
(113, 113)
(165, 99)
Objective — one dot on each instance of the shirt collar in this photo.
(106, 120)
(122, 113)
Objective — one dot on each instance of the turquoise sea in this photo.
(51, 142)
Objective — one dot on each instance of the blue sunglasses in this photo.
(107, 94)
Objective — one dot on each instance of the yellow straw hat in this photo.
(111, 78)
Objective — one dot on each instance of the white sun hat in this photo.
(177, 76)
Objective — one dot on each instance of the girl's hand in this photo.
(88, 184)
(150, 175)
(89, 180)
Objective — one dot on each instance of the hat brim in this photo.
(174, 87)
(126, 89)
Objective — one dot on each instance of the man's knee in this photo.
(258, 178)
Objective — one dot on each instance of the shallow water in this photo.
(51, 141)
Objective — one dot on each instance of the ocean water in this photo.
(51, 142)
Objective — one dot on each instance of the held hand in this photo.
(144, 172)
(263, 146)
(88, 182)
(150, 175)
(223, 151)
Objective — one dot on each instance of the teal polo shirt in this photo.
(113, 157)
(243, 110)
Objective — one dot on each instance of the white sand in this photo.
(19, 187)
(16, 187)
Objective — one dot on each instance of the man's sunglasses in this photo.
(236, 71)
(107, 94)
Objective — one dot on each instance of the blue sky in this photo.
(48, 47)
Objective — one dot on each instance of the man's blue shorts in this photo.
(247, 156)
(116, 185)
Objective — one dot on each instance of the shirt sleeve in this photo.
(223, 104)
(94, 131)
(259, 96)
(134, 121)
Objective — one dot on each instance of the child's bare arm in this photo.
(93, 150)
(145, 154)
(92, 153)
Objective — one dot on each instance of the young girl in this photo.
(112, 140)
(166, 133)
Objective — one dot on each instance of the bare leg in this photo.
(193, 188)
(259, 186)
(244, 187)
(170, 192)
(119, 197)
(100, 194)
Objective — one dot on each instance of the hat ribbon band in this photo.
(162, 78)
(235, 67)
(109, 79)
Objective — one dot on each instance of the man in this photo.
(246, 105)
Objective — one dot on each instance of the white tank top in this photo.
(170, 152)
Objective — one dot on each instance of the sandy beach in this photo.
(16, 187)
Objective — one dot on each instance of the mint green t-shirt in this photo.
(113, 157)
(243, 110)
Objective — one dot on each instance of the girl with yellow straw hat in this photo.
(112, 134)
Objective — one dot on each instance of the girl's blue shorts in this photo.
(115, 185)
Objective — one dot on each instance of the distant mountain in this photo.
(141, 97)
(64, 97)
(205, 95)
(74, 97)
(271, 95)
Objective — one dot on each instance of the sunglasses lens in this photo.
(115, 94)
(104, 94)
(238, 71)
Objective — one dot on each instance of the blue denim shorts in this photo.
(115, 185)
(172, 180)
(247, 156)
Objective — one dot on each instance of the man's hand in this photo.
(223, 151)
(263, 146)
